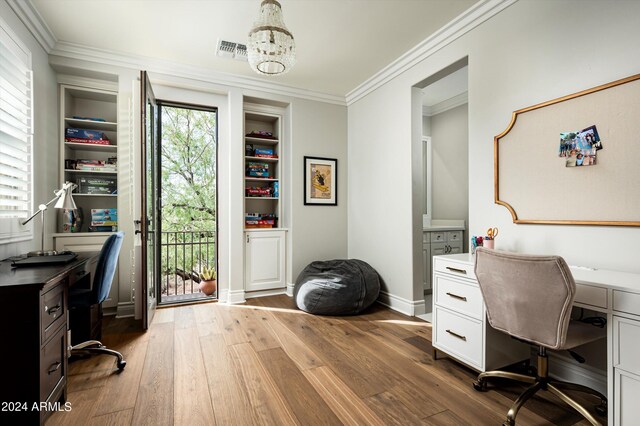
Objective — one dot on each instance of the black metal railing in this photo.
(182, 256)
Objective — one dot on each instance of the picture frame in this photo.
(320, 181)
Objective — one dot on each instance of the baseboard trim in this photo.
(125, 310)
(290, 287)
(233, 297)
(402, 305)
(263, 293)
(567, 369)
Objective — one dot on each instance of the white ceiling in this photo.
(446, 88)
(340, 43)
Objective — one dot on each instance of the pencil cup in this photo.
(488, 244)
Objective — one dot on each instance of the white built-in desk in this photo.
(460, 328)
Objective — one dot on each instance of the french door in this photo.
(150, 199)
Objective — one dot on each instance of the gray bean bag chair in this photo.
(336, 287)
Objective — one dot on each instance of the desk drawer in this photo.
(590, 295)
(458, 295)
(458, 336)
(53, 363)
(464, 270)
(623, 301)
(626, 344)
(53, 310)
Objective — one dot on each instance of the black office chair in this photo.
(85, 304)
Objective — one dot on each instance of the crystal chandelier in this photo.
(271, 48)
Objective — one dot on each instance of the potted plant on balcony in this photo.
(208, 282)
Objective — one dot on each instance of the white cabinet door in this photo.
(81, 244)
(627, 395)
(426, 266)
(264, 260)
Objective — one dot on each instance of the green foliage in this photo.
(188, 152)
(208, 274)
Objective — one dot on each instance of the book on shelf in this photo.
(104, 223)
(89, 141)
(71, 132)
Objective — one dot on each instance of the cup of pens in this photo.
(489, 240)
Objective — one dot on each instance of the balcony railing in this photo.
(182, 256)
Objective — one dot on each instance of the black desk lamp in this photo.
(65, 201)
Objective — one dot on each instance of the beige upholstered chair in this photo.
(530, 298)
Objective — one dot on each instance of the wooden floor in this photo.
(266, 363)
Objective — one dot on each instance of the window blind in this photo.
(16, 134)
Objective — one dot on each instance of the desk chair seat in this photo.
(83, 300)
(530, 298)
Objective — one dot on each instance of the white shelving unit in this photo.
(265, 247)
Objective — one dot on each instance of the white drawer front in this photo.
(590, 295)
(458, 336)
(458, 296)
(438, 237)
(624, 301)
(454, 268)
(453, 236)
(626, 344)
(426, 237)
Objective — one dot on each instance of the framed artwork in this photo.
(320, 181)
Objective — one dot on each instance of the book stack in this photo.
(110, 165)
(97, 185)
(72, 134)
(257, 170)
(260, 220)
(104, 220)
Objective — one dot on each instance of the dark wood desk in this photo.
(33, 335)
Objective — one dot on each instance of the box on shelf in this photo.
(97, 185)
(260, 220)
(257, 170)
(89, 141)
(254, 191)
(264, 152)
(275, 189)
(103, 228)
(104, 214)
(72, 132)
(260, 134)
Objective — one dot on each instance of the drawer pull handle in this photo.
(460, 271)
(455, 296)
(456, 335)
(52, 310)
(53, 369)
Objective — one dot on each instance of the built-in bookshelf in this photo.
(89, 155)
(262, 183)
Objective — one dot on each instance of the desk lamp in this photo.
(64, 201)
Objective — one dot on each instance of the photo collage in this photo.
(579, 148)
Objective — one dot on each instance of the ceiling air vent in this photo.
(232, 50)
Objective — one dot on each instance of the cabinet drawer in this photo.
(458, 296)
(626, 344)
(438, 249)
(53, 311)
(438, 237)
(453, 236)
(426, 237)
(458, 336)
(590, 295)
(623, 301)
(53, 363)
(454, 268)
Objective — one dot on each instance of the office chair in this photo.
(82, 301)
(530, 298)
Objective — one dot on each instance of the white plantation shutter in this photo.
(16, 134)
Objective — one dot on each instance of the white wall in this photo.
(45, 140)
(450, 156)
(530, 52)
(320, 232)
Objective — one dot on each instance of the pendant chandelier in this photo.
(271, 48)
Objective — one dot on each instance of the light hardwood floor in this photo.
(266, 363)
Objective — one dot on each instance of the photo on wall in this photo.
(579, 148)
(320, 181)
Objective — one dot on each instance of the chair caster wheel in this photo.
(601, 410)
(122, 364)
(480, 385)
(509, 423)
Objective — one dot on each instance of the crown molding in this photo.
(136, 62)
(446, 105)
(31, 18)
(459, 26)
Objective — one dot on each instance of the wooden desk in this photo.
(458, 307)
(33, 321)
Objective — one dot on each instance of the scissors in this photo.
(492, 233)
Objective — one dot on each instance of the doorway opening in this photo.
(188, 207)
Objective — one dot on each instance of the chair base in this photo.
(543, 382)
(92, 347)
